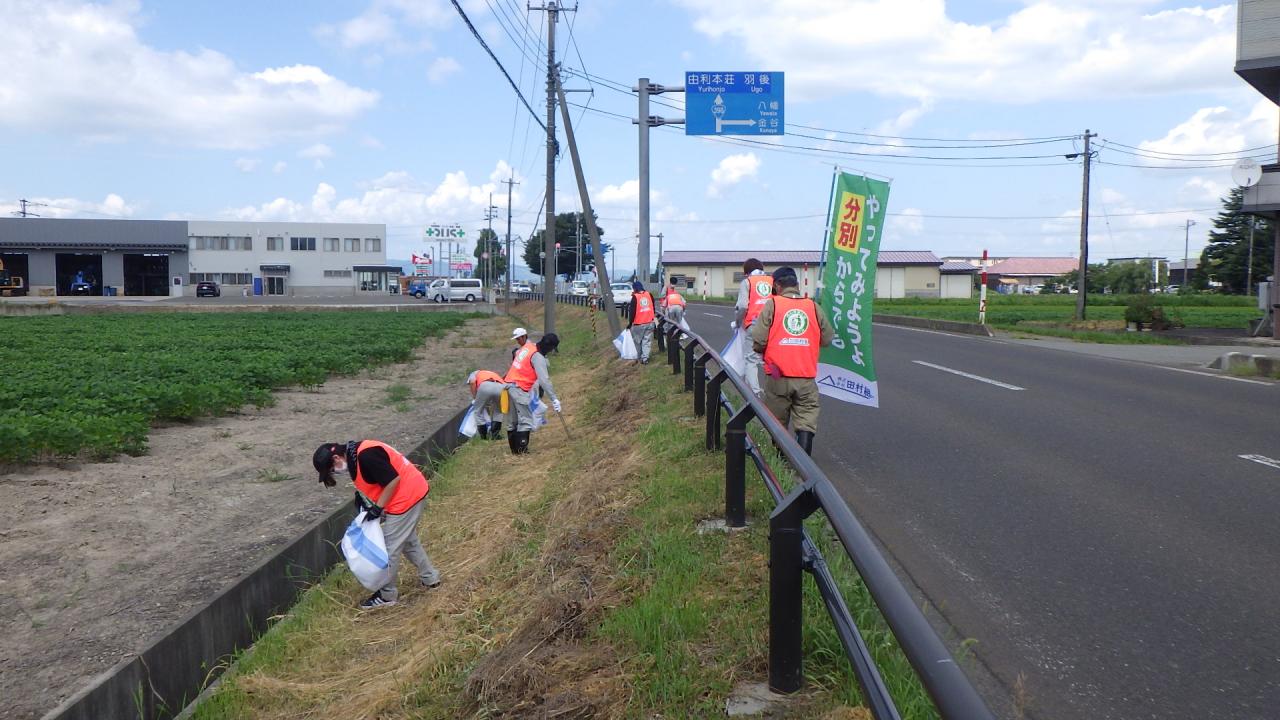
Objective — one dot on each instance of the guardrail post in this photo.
(688, 366)
(700, 385)
(786, 590)
(673, 350)
(662, 336)
(713, 409)
(735, 467)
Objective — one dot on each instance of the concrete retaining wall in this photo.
(939, 325)
(160, 681)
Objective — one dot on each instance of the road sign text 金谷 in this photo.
(734, 103)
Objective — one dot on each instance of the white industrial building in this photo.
(286, 258)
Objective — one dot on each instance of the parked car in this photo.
(448, 290)
(521, 287)
(208, 289)
(418, 288)
(621, 293)
(580, 287)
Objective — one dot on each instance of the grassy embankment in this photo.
(575, 584)
(93, 385)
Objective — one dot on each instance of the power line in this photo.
(505, 74)
(1145, 156)
(1270, 147)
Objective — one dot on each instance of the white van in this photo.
(447, 290)
(580, 287)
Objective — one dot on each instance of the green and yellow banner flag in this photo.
(846, 369)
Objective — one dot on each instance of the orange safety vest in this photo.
(794, 338)
(674, 298)
(413, 484)
(484, 376)
(521, 372)
(644, 308)
(759, 290)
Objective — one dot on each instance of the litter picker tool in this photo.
(564, 425)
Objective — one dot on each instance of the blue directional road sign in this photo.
(733, 103)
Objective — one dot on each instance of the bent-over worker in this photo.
(755, 289)
(389, 487)
(528, 369)
(486, 392)
(674, 304)
(640, 320)
(789, 332)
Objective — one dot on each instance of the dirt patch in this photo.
(99, 559)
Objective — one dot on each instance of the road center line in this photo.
(1214, 375)
(1261, 460)
(971, 376)
(704, 312)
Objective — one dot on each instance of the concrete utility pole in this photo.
(510, 258)
(487, 250)
(593, 232)
(26, 204)
(1083, 272)
(644, 89)
(552, 8)
(1186, 257)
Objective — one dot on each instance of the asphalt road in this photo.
(1094, 530)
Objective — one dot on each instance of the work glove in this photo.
(555, 405)
(374, 512)
(359, 502)
(733, 324)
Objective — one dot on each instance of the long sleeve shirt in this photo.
(760, 328)
(744, 297)
(544, 374)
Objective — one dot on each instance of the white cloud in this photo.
(441, 69)
(1219, 130)
(372, 143)
(381, 23)
(82, 69)
(279, 167)
(247, 165)
(731, 171)
(1202, 190)
(112, 206)
(909, 221)
(318, 152)
(1045, 49)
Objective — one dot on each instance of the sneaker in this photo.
(431, 585)
(375, 601)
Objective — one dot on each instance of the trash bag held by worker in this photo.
(366, 552)
(734, 353)
(539, 410)
(470, 423)
(626, 346)
(684, 325)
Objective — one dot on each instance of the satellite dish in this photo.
(1246, 173)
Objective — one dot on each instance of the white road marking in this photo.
(971, 376)
(1214, 375)
(704, 312)
(1261, 460)
(962, 336)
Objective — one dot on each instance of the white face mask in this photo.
(339, 465)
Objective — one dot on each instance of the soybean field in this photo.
(93, 385)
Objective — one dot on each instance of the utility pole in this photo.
(1248, 281)
(488, 250)
(552, 8)
(1083, 272)
(577, 260)
(510, 258)
(1186, 257)
(24, 212)
(662, 283)
(644, 89)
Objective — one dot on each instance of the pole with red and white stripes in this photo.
(806, 279)
(982, 292)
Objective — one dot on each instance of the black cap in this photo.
(548, 344)
(322, 460)
(785, 276)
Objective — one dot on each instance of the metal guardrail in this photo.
(792, 552)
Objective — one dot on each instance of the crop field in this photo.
(1195, 311)
(93, 385)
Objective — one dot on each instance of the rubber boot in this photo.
(495, 431)
(524, 442)
(805, 439)
(513, 442)
(483, 430)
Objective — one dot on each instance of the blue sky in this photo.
(389, 111)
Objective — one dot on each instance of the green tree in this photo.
(1128, 278)
(490, 242)
(567, 236)
(1226, 259)
(1097, 278)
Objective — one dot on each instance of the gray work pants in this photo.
(519, 414)
(753, 363)
(401, 535)
(486, 406)
(643, 335)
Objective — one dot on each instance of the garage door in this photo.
(957, 286)
(891, 282)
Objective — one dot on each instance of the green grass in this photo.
(398, 393)
(95, 384)
(1006, 311)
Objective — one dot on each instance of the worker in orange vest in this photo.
(755, 290)
(486, 399)
(673, 302)
(640, 320)
(528, 373)
(390, 487)
(789, 332)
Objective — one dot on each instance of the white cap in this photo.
(518, 332)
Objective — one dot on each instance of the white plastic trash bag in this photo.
(626, 346)
(734, 353)
(538, 408)
(366, 552)
(469, 423)
(684, 324)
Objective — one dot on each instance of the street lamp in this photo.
(1186, 256)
